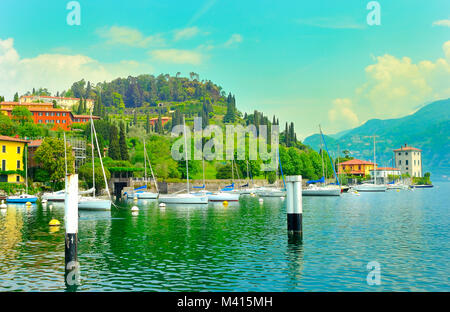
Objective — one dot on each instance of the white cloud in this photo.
(186, 33)
(56, 72)
(177, 56)
(234, 39)
(444, 22)
(122, 35)
(342, 112)
(395, 86)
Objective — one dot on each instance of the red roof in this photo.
(35, 143)
(407, 148)
(7, 138)
(85, 116)
(25, 104)
(356, 162)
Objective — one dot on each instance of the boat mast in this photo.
(145, 163)
(92, 149)
(150, 165)
(321, 151)
(185, 154)
(26, 168)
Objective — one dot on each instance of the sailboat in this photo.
(246, 189)
(147, 194)
(184, 198)
(322, 190)
(92, 202)
(273, 191)
(24, 198)
(228, 193)
(371, 187)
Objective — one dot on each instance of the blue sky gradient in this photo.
(305, 61)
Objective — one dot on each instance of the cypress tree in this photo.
(114, 148)
(123, 143)
(16, 96)
(80, 107)
(147, 124)
(135, 117)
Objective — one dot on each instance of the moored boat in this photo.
(183, 199)
(21, 199)
(314, 190)
(369, 187)
(55, 196)
(94, 204)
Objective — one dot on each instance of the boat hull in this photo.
(271, 193)
(421, 186)
(221, 196)
(370, 188)
(94, 204)
(183, 199)
(147, 195)
(21, 200)
(321, 192)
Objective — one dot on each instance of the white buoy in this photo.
(261, 200)
(50, 206)
(162, 205)
(134, 208)
(3, 205)
(135, 213)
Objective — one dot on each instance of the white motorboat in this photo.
(329, 190)
(94, 203)
(397, 186)
(369, 187)
(183, 199)
(55, 196)
(223, 196)
(270, 192)
(147, 195)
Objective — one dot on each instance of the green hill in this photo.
(427, 129)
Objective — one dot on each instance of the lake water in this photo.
(242, 247)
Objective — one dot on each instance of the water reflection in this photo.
(242, 246)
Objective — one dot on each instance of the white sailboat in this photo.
(58, 196)
(185, 198)
(24, 198)
(371, 187)
(92, 202)
(147, 194)
(322, 189)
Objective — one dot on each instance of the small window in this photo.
(400, 162)
(359, 167)
(57, 121)
(64, 121)
(18, 149)
(3, 165)
(407, 162)
(17, 178)
(406, 153)
(399, 154)
(4, 149)
(18, 164)
(46, 114)
(406, 168)
(57, 114)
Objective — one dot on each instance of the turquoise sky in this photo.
(305, 61)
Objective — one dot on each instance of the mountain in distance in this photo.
(428, 129)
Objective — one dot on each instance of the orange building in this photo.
(164, 120)
(44, 113)
(356, 167)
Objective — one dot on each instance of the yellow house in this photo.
(356, 167)
(11, 159)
